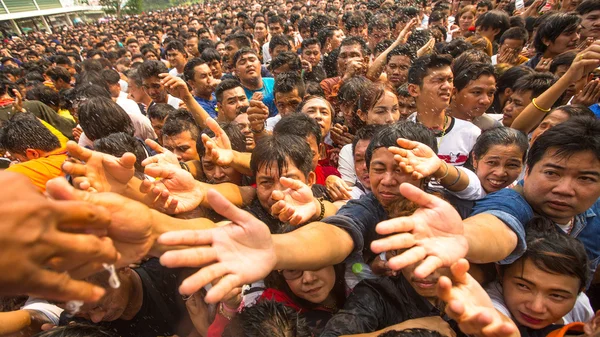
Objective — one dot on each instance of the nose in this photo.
(564, 187)
(96, 316)
(389, 118)
(219, 172)
(389, 179)
(536, 305)
(485, 100)
(309, 277)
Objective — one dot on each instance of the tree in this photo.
(117, 7)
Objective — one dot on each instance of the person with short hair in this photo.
(512, 43)
(524, 90)
(157, 114)
(231, 100)
(248, 69)
(556, 34)
(149, 72)
(589, 10)
(199, 77)
(177, 57)
(180, 135)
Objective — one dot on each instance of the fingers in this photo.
(444, 289)
(203, 277)
(78, 249)
(411, 256)
(74, 169)
(127, 160)
(59, 189)
(222, 288)
(61, 287)
(294, 184)
(186, 238)
(80, 216)
(394, 242)
(421, 197)
(78, 152)
(191, 257)
(428, 266)
(160, 171)
(396, 225)
(225, 208)
(154, 146)
(459, 271)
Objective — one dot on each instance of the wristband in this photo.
(538, 107)
(457, 178)
(322, 214)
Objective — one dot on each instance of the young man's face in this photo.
(481, 10)
(319, 110)
(134, 48)
(134, 92)
(511, 44)
(247, 68)
(216, 174)
(191, 46)
(287, 102)
(378, 35)
(267, 181)
(183, 145)
(230, 49)
(425, 287)
(260, 31)
(243, 124)
(350, 53)
(406, 106)
(176, 58)
(275, 28)
(397, 70)
(386, 176)
(476, 97)
(561, 187)
(590, 25)
(155, 89)
(336, 40)
(436, 90)
(312, 54)
(232, 102)
(360, 165)
(564, 42)
(157, 125)
(278, 50)
(203, 83)
(515, 104)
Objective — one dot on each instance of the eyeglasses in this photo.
(291, 274)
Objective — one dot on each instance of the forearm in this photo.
(239, 196)
(14, 321)
(195, 168)
(451, 178)
(162, 223)
(376, 68)
(490, 240)
(532, 116)
(200, 115)
(291, 249)
(241, 162)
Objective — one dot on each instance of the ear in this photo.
(414, 90)
(496, 31)
(362, 115)
(508, 92)
(454, 92)
(311, 179)
(32, 154)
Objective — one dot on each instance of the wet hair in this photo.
(401, 50)
(77, 330)
(179, 122)
(576, 135)
(415, 332)
(309, 42)
(289, 58)
(537, 83)
(276, 150)
(59, 73)
(456, 47)
(237, 139)
(330, 63)
(224, 86)
(189, 69)
(25, 131)
(356, 20)
(134, 74)
(210, 54)
(563, 59)
(379, 21)
(44, 94)
(287, 82)
(244, 51)
(91, 77)
(498, 136)
(355, 40)
(472, 72)
(350, 90)
(205, 44)
(470, 57)
(88, 91)
(279, 40)
(508, 79)
(494, 19)
(152, 68)
(588, 6)
(515, 33)
(119, 143)
(299, 124)
(111, 76)
(100, 117)
(553, 251)
(326, 34)
(365, 133)
(313, 88)
(421, 66)
(389, 134)
(552, 26)
(268, 318)
(176, 45)
(575, 110)
(160, 111)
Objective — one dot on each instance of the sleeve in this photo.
(474, 191)
(51, 311)
(346, 164)
(360, 313)
(494, 291)
(512, 209)
(42, 111)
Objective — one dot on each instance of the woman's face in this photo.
(499, 167)
(536, 298)
(319, 110)
(466, 20)
(313, 286)
(554, 118)
(385, 111)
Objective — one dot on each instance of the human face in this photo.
(336, 40)
(155, 89)
(406, 106)
(176, 58)
(216, 174)
(425, 287)
(349, 53)
(278, 50)
(313, 286)
(157, 125)
(232, 102)
(287, 102)
(134, 92)
(567, 40)
(360, 165)
(260, 31)
(499, 167)
(215, 68)
(267, 181)
(466, 21)
(511, 44)
(275, 28)
(133, 48)
(590, 25)
(221, 49)
(561, 187)
(183, 145)
(203, 83)
(397, 70)
(476, 97)
(536, 298)
(359, 31)
(515, 104)
(319, 110)
(314, 149)
(552, 119)
(191, 46)
(386, 176)
(385, 111)
(243, 123)
(481, 10)
(312, 54)
(248, 68)
(112, 305)
(230, 49)
(378, 35)
(436, 90)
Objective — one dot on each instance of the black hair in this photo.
(576, 110)
(552, 26)
(498, 136)
(418, 38)
(91, 77)
(437, 16)
(356, 20)
(236, 138)
(62, 60)
(414, 332)
(515, 33)
(279, 40)
(518, 22)
(365, 133)
(298, 124)
(404, 50)
(24, 131)
(563, 59)
(588, 6)
(181, 121)
(379, 21)
(456, 47)
(77, 330)
(152, 68)
(330, 63)
(278, 149)
(111, 76)
(553, 251)
(289, 58)
(287, 82)
(241, 40)
(389, 134)
(88, 91)
(134, 74)
(421, 66)
(309, 42)
(485, 3)
(508, 79)
(472, 72)
(244, 51)
(576, 135)
(469, 57)
(210, 54)
(119, 143)
(189, 69)
(160, 111)
(44, 94)
(537, 83)
(313, 88)
(205, 44)
(355, 40)
(100, 116)
(494, 19)
(91, 65)
(325, 34)
(268, 318)
(224, 86)
(59, 73)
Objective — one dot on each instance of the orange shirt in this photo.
(42, 169)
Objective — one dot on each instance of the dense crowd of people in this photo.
(311, 168)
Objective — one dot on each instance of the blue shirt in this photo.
(596, 110)
(268, 95)
(511, 207)
(209, 106)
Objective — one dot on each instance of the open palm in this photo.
(295, 204)
(415, 158)
(180, 185)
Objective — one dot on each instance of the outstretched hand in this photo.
(176, 191)
(434, 234)
(416, 158)
(470, 306)
(235, 254)
(296, 204)
(218, 148)
(162, 156)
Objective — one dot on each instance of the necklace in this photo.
(444, 128)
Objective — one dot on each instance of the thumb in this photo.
(155, 146)
(225, 208)
(459, 271)
(128, 160)
(159, 171)
(59, 189)
(291, 183)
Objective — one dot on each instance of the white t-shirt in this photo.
(458, 141)
(266, 55)
(581, 312)
(51, 311)
(173, 101)
(346, 164)
(175, 73)
(494, 59)
(271, 122)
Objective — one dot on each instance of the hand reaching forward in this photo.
(296, 204)
(99, 172)
(470, 306)
(433, 234)
(416, 158)
(236, 254)
(162, 156)
(175, 86)
(218, 148)
(174, 186)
